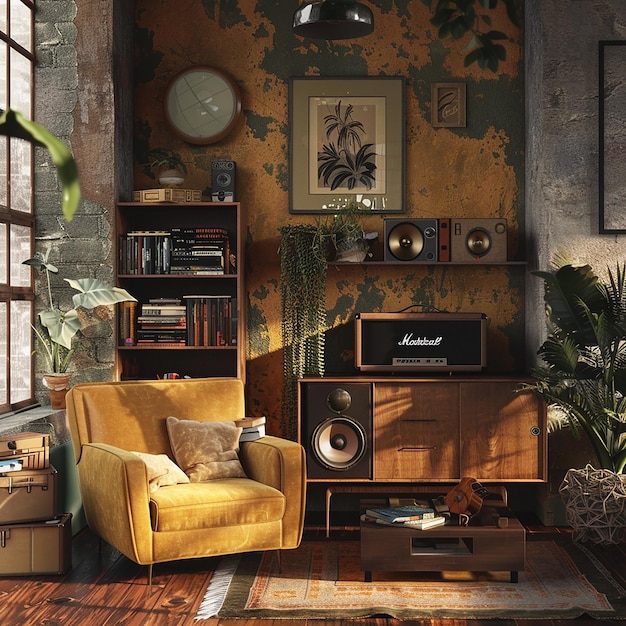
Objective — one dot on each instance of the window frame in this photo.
(10, 293)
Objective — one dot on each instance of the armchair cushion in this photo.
(162, 471)
(223, 503)
(205, 450)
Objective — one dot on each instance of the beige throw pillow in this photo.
(205, 450)
(162, 471)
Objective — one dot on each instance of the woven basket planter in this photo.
(595, 504)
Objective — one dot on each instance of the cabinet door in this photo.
(502, 432)
(416, 430)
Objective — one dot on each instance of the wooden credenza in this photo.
(422, 430)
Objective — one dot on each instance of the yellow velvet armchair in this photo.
(111, 422)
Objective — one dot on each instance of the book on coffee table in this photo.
(421, 524)
(406, 513)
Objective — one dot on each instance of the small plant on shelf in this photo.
(167, 166)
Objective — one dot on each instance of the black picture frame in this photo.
(347, 144)
(612, 137)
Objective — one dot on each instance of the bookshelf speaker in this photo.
(223, 181)
(336, 429)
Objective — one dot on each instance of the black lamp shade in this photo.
(333, 19)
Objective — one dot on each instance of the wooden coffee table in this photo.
(486, 547)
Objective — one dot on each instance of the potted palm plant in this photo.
(583, 380)
(59, 327)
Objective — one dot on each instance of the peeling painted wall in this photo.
(476, 171)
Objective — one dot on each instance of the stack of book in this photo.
(413, 516)
(163, 321)
(200, 251)
(253, 428)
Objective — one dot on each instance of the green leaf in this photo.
(511, 11)
(495, 35)
(471, 44)
(41, 265)
(61, 326)
(566, 290)
(96, 293)
(13, 124)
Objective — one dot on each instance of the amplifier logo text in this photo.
(409, 340)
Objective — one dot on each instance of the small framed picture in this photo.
(448, 105)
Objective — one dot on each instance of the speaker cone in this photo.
(406, 241)
(338, 443)
(478, 242)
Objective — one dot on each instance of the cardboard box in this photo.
(37, 548)
(28, 496)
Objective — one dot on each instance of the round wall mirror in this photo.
(202, 105)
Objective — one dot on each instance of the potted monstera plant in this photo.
(58, 328)
(583, 380)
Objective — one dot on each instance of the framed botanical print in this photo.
(347, 144)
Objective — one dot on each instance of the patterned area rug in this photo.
(323, 579)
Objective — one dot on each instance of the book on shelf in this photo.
(404, 513)
(127, 320)
(145, 252)
(198, 250)
(193, 250)
(208, 320)
(193, 320)
(419, 524)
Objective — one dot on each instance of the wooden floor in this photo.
(104, 588)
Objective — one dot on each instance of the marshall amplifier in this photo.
(418, 342)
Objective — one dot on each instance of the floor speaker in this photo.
(411, 240)
(336, 429)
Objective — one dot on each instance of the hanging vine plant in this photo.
(303, 303)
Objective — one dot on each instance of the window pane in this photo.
(4, 276)
(3, 16)
(20, 83)
(3, 76)
(20, 25)
(21, 175)
(21, 348)
(3, 171)
(4, 354)
(20, 251)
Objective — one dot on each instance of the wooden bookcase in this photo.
(149, 361)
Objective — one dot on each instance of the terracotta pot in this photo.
(58, 385)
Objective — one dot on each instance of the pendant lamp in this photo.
(333, 19)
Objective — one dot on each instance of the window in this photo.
(16, 208)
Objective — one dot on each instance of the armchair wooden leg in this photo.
(150, 576)
(279, 560)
